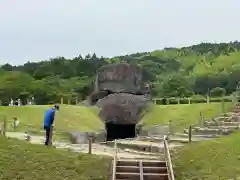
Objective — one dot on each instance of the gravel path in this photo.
(96, 148)
(127, 146)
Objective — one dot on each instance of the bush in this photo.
(184, 101)
(172, 101)
(225, 99)
(193, 100)
(218, 92)
(200, 100)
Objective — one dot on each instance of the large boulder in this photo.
(122, 108)
(121, 93)
(120, 77)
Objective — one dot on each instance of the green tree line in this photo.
(173, 72)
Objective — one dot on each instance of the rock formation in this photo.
(121, 93)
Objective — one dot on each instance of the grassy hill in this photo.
(81, 118)
(20, 160)
(182, 115)
(209, 160)
(68, 118)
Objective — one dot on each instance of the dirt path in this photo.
(96, 148)
(127, 146)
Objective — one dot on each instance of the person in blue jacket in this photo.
(48, 121)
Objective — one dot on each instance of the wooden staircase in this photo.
(144, 169)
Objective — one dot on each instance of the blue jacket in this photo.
(49, 117)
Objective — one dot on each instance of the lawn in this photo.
(209, 160)
(20, 160)
(182, 115)
(69, 118)
(74, 118)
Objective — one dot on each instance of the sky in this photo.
(39, 30)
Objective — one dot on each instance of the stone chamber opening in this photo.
(120, 131)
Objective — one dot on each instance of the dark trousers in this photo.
(47, 135)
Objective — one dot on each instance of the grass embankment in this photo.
(20, 160)
(183, 115)
(71, 118)
(209, 160)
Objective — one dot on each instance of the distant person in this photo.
(48, 122)
(15, 123)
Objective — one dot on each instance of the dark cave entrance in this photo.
(120, 131)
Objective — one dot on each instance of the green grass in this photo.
(22, 161)
(209, 160)
(71, 118)
(182, 115)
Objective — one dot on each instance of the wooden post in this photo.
(178, 100)
(223, 106)
(76, 101)
(61, 100)
(170, 127)
(208, 99)
(141, 170)
(201, 120)
(4, 126)
(189, 101)
(68, 101)
(14, 124)
(190, 134)
(90, 145)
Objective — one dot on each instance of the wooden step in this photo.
(127, 175)
(231, 127)
(161, 170)
(202, 137)
(155, 176)
(154, 163)
(146, 176)
(134, 169)
(127, 163)
(147, 163)
(211, 130)
(203, 133)
(221, 123)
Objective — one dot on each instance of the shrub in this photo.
(218, 92)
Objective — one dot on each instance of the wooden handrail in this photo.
(114, 161)
(141, 170)
(168, 159)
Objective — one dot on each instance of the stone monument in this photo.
(123, 96)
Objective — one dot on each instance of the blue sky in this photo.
(38, 30)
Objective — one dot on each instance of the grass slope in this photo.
(69, 118)
(210, 160)
(20, 160)
(182, 115)
(81, 118)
